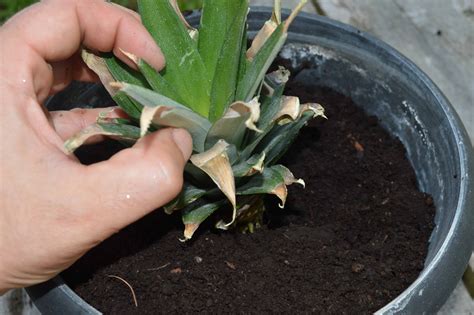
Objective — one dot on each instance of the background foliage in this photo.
(10, 7)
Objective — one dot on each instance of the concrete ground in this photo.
(438, 35)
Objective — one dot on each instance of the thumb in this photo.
(137, 180)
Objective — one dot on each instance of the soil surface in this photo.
(349, 243)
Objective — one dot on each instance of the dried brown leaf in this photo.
(215, 163)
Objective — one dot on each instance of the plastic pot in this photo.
(409, 105)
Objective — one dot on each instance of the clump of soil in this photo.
(350, 242)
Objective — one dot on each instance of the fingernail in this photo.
(183, 140)
(154, 56)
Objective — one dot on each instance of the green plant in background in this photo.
(217, 89)
(10, 7)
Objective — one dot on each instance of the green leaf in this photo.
(243, 62)
(270, 181)
(121, 132)
(101, 68)
(255, 72)
(132, 108)
(148, 97)
(196, 213)
(273, 180)
(287, 175)
(279, 139)
(188, 195)
(216, 19)
(224, 80)
(160, 110)
(249, 167)
(270, 108)
(157, 82)
(185, 70)
(163, 116)
(233, 125)
(123, 73)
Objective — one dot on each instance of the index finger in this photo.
(98, 25)
(56, 29)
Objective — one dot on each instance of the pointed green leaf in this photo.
(108, 74)
(243, 62)
(157, 82)
(288, 176)
(196, 213)
(273, 180)
(163, 116)
(123, 73)
(279, 139)
(117, 131)
(232, 126)
(147, 97)
(224, 80)
(270, 181)
(160, 110)
(132, 108)
(270, 108)
(216, 19)
(188, 195)
(249, 167)
(185, 70)
(255, 72)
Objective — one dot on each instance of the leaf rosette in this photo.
(219, 90)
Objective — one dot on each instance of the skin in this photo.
(52, 208)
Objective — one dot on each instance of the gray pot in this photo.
(410, 107)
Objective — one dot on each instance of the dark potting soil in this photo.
(350, 242)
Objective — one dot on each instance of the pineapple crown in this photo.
(218, 90)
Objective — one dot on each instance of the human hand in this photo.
(53, 209)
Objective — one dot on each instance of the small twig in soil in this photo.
(129, 286)
(159, 268)
(230, 265)
(358, 146)
(176, 270)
